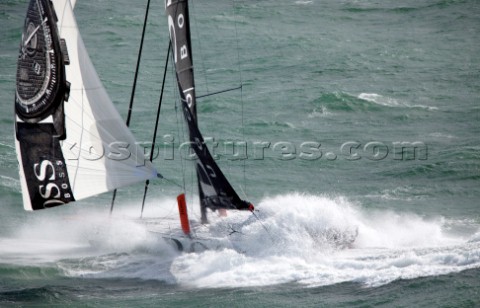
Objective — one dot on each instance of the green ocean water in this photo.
(356, 114)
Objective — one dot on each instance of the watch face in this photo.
(37, 68)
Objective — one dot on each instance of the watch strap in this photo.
(44, 165)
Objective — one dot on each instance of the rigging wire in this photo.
(176, 98)
(130, 106)
(218, 92)
(264, 227)
(200, 51)
(147, 182)
(244, 190)
(180, 132)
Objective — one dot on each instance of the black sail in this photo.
(214, 189)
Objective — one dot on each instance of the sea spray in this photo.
(389, 246)
(308, 239)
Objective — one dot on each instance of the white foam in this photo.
(390, 102)
(304, 2)
(389, 246)
(324, 112)
(443, 135)
(299, 238)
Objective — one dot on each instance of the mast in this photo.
(215, 191)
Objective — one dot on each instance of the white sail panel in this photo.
(100, 151)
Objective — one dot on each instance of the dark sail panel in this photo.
(217, 191)
(179, 28)
(44, 166)
(214, 189)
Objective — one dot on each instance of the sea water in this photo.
(355, 118)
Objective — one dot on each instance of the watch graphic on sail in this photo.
(41, 85)
(39, 106)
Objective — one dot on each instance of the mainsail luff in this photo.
(215, 191)
(97, 152)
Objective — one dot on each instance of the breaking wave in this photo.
(388, 246)
(390, 102)
(341, 101)
(306, 239)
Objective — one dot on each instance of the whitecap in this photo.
(323, 112)
(303, 2)
(390, 102)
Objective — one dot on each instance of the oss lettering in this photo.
(45, 171)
